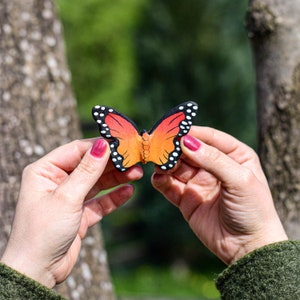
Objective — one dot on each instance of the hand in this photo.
(56, 207)
(222, 192)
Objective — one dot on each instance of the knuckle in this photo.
(255, 157)
(63, 195)
(251, 153)
(86, 167)
(28, 170)
(79, 147)
(247, 178)
(214, 155)
(76, 144)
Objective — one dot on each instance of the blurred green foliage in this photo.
(174, 283)
(143, 57)
(100, 49)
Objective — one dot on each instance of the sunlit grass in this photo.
(174, 283)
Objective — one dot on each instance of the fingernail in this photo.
(99, 148)
(191, 143)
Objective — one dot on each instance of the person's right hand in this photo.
(222, 192)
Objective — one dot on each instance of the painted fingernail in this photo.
(191, 143)
(99, 148)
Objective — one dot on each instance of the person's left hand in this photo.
(56, 207)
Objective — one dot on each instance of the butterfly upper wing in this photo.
(122, 135)
(165, 134)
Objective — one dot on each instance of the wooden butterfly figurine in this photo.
(160, 145)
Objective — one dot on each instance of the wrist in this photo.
(28, 267)
(258, 241)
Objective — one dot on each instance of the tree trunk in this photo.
(274, 29)
(38, 113)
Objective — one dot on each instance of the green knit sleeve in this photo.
(271, 272)
(14, 285)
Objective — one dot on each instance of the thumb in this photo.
(87, 172)
(211, 159)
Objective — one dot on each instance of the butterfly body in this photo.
(160, 145)
(146, 141)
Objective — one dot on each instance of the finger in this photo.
(224, 168)
(187, 197)
(113, 178)
(96, 208)
(86, 174)
(185, 171)
(171, 188)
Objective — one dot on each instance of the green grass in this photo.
(176, 283)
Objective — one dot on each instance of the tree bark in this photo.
(37, 114)
(274, 29)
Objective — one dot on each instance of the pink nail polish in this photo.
(191, 143)
(99, 148)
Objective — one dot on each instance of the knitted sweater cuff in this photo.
(270, 272)
(14, 285)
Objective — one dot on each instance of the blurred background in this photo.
(143, 57)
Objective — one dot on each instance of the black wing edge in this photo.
(175, 110)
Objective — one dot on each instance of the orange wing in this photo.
(165, 136)
(122, 135)
(164, 145)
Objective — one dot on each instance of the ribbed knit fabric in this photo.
(16, 286)
(270, 272)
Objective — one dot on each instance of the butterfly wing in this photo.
(166, 133)
(122, 135)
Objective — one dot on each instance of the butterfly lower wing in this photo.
(122, 135)
(166, 133)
